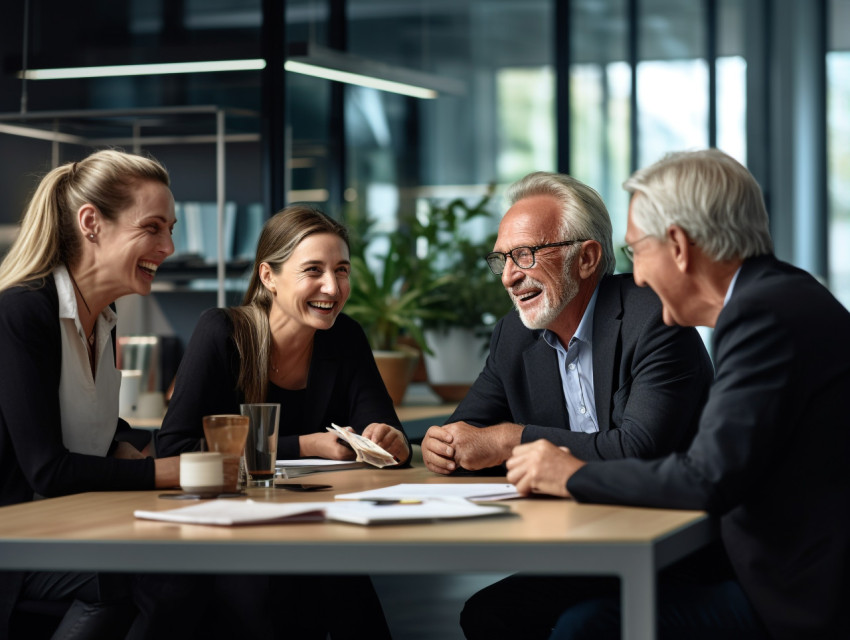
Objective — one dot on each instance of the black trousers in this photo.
(698, 598)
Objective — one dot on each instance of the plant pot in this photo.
(458, 358)
(396, 368)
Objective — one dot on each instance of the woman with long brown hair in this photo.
(289, 343)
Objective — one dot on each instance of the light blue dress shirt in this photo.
(575, 364)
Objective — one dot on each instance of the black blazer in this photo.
(650, 381)
(771, 452)
(343, 385)
(33, 458)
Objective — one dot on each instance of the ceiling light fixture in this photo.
(119, 70)
(304, 59)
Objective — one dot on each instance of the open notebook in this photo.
(244, 512)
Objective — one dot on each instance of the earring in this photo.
(91, 236)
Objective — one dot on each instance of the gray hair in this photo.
(710, 195)
(583, 214)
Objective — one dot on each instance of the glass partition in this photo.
(838, 149)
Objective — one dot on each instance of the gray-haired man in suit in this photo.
(770, 456)
(585, 361)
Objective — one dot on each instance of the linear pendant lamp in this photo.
(305, 59)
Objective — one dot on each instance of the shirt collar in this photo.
(731, 286)
(68, 300)
(584, 332)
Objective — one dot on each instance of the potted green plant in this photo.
(391, 298)
(471, 298)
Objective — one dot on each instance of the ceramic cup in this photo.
(202, 473)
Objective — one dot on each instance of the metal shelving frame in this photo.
(23, 124)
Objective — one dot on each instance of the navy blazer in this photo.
(343, 386)
(771, 452)
(650, 381)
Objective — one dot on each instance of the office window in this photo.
(731, 69)
(838, 148)
(498, 126)
(600, 103)
(672, 78)
(526, 122)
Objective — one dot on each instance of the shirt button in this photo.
(571, 366)
(583, 410)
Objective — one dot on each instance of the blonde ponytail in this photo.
(35, 252)
(49, 233)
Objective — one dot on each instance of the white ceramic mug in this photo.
(202, 473)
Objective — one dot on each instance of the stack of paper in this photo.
(304, 466)
(482, 492)
(243, 512)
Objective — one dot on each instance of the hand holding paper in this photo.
(366, 450)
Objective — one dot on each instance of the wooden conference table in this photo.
(97, 531)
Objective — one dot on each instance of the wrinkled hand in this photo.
(325, 445)
(541, 467)
(478, 448)
(388, 438)
(437, 450)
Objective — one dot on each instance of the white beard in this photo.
(552, 302)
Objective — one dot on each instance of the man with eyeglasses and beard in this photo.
(585, 362)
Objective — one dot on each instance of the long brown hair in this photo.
(281, 234)
(49, 232)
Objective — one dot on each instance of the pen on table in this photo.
(385, 502)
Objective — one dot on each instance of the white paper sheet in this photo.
(245, 512)
(480, 492)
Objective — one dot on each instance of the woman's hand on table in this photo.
(126, 451)
(388, 438)
(324, 445)
(167, 472)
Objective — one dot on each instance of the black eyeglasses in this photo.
(523, 257)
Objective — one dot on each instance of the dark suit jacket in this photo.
(771, 452)
(343, 386)
(650, 381)
(33, 458)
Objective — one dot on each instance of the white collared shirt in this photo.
(88, 406)
(575, 364)
(731, 286)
